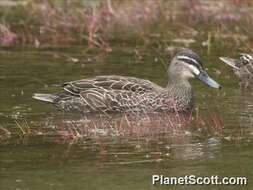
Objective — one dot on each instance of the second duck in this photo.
(243, 68)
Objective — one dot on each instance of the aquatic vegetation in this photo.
(129, 125)
(7, 37)
(149, 126)
(4, 133)
(99, 23)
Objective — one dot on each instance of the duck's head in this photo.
(236, 64)
(186, 65)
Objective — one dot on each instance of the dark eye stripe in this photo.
(190, 61)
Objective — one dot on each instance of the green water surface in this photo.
(39, 162)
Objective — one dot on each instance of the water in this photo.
(46, 160)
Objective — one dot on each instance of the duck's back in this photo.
(111, 83)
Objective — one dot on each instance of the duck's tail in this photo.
(45, 97)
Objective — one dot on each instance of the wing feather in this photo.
(111, 82)
(113, 100)
(111, 93)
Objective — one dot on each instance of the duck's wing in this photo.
(111, 83)
(114, 100)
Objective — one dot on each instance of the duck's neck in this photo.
(180, 89)
(177, 81)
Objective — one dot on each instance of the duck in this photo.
(242, 67)
(123, 94)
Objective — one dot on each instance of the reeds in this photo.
(149, 126)
(7, 37)
(98, 24)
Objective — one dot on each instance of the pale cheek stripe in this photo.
(194, 69)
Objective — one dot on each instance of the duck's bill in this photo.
(203, 76)
(229, 61)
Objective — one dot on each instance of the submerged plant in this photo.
(7, 37)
